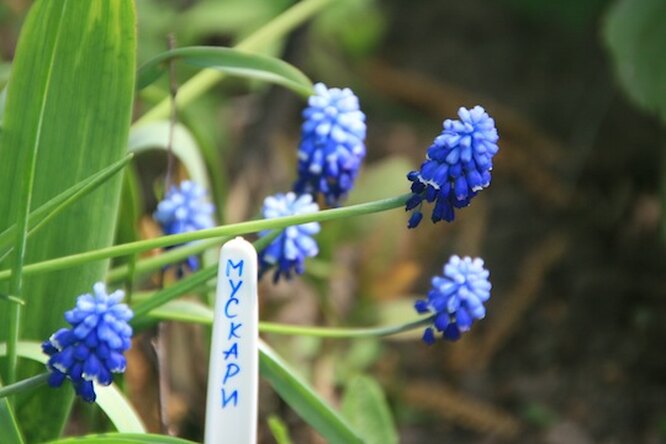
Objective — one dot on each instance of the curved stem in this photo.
(207, 78)
(216, 232)
(341, 333)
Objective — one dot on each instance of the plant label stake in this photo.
(231, 406)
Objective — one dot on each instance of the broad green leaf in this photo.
(9, 429)
(364, 405)
(123, 438)
(232, 62)
(109, 399)
(294, 390)
(69, 104)
(53, 207)
(635, 32)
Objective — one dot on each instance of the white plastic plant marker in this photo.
(231, 405)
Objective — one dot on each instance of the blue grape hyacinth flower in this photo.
(332, 144)
(456, 298)
(457, 166)
(185, 209)
(92, 349)
(287, 253)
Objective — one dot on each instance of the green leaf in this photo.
(279, 430)
(155, 135)
(109, 399)
(364, 405)
(9, 429)
(183, 310)
(69, 104)
(635, 32)
(123, 438)
(53, 207)
(303, 399)
(294, 390)
(230, 61)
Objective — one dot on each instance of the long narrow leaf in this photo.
(109, 399)
(123, 438)
(303, 399)
(230, 61)
(69, 104)
(39, 217)
(285, 381)
(9, 429)
(156, 136)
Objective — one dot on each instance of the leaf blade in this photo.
(229, 61)
(82, 128)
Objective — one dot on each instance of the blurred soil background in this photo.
(571, 228)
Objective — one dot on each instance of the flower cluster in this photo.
(185, 209)
(289, 250)
(92, 349)
(456, 298)
(457, 166)
(332, 144)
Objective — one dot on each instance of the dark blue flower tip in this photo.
(332, 144)
(185, 208)
(287, 252)
(456, 299)
(457, 165)
(92, 349)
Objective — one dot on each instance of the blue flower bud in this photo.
(457, 166)
(288, 251)
(332, 144)
(185, 209)
(92, 348)
(456, 298)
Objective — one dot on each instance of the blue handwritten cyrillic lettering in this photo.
(238, 265)
(233, 396)
(233, 351)
(232, 330)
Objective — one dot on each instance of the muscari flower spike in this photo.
(457, 166)
(456, 298)
(288, 251)
(185, 209)
(332, 144)
(92, 349)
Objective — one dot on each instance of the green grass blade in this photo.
(42, 215)
(109, 399)
(233, 62)
(67, 114)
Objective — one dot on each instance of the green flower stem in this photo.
(145, 266)
(24, 385)
(189, 283)
(223, 231)
(264, 327)
(179, 288)
(343, 333)
(204, 80)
